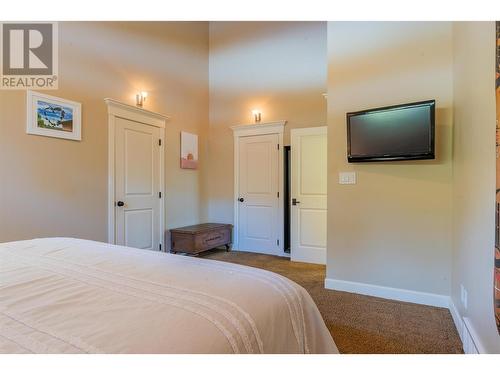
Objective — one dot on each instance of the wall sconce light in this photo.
(140, 98)
(256, 115)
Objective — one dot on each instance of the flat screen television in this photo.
(399, 132)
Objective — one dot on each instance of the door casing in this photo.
(276, 127)
(117, 109)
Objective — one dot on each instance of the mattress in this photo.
(64, 295)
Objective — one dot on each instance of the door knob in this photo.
(295, 201)
(120, 204)
(241, 199)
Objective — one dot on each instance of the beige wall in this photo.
(393, 228)
(55, 187)
(474, 176)
(278, 67)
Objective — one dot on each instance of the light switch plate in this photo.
(347, 178)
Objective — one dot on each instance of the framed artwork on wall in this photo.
(53, 117)
(189, 151)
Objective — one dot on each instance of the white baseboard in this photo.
(470, 340)
(457, 319)
(404, 295)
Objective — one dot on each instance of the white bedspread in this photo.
(62, 295)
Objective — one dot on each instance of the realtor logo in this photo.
(28, 55)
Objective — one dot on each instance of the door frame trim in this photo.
(275, 127)
(116, 110)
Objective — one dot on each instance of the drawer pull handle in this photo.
(213, 238)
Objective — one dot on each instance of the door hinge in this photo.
(160, 246)
(278, 146)
(278, 242)
(159, 142)
(159, 195)
(278, 194)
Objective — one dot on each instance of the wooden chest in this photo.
(197, 238)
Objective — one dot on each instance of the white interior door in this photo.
(137, 185)
(258, 211)
(308, 192)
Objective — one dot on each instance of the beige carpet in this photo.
(362, 324)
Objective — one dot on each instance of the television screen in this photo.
(401, 132)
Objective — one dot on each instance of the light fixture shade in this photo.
(140, 98)
(257, 115)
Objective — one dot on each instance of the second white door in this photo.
(309, 192)
(258, 199)
(137, 185)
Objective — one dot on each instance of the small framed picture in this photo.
(189, 151)
(53, 117)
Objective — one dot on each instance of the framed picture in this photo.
(53, 117)
(189, 151)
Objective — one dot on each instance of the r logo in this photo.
(29, 54)
(27, 49)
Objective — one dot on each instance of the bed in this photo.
(64, 295)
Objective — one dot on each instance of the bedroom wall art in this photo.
(53, 117)
(189, 151)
